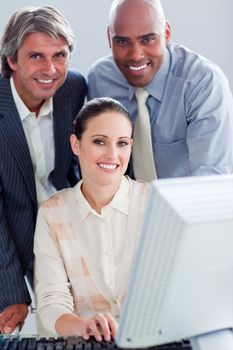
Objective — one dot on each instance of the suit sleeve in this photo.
(13, 289)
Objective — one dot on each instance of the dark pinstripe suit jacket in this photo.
(18, 202)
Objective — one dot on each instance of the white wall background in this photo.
(205, 26)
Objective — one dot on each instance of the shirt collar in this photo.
(119, 202)
(46, 108)
(157, 85)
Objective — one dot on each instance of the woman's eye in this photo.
(123, 143)
(98, 142)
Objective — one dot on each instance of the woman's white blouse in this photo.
(82, 258)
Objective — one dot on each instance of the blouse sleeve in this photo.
(52, 288)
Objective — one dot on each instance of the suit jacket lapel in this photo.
(12, 130)
(62, 112)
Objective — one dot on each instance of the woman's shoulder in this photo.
(137, 185)
(60, 198)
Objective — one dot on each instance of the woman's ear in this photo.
(74, 142)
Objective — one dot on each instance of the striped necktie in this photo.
(142, 153)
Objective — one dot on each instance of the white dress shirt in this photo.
(39, 134)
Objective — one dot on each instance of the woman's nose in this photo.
(112, 152)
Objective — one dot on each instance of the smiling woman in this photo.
(86, 236)
(102, 143)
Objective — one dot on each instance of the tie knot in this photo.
(141, 95)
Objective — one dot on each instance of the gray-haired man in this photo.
(39, 100)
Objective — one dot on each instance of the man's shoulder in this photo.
(6, 98)
(186, 62)
(4, 82)
(74, 83)
(178, 51)
(74, 78)
(103, 65)
(106, 61)
(105, 79)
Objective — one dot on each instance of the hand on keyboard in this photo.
(13, 316)
(100, 325)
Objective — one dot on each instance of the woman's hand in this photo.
(100, 325)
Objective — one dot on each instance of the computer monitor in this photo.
(181, 285)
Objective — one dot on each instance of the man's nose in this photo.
(49, 67)
(137, 52)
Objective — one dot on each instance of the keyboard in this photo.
(72, 343)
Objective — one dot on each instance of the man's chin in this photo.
(44, 95)
(138, 81)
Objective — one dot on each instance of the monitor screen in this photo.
(182, 279)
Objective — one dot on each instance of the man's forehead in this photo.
(137, 21)
(122, 5)
(43, 39)
(137, 18)
(132, 11)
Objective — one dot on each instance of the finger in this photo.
(15, 320)
(113, 324)
(2, 324)
(9, 330)
(86, 334)
(93, 329)
(104, 327)
(5, 316)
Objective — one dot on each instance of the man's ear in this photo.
(74, 142)
(167, 32)
(12, 64)
(109, 38)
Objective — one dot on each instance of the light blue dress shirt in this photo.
(191, 111)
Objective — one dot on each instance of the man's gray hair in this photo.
(30, 19)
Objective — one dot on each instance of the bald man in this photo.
(190, 102)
